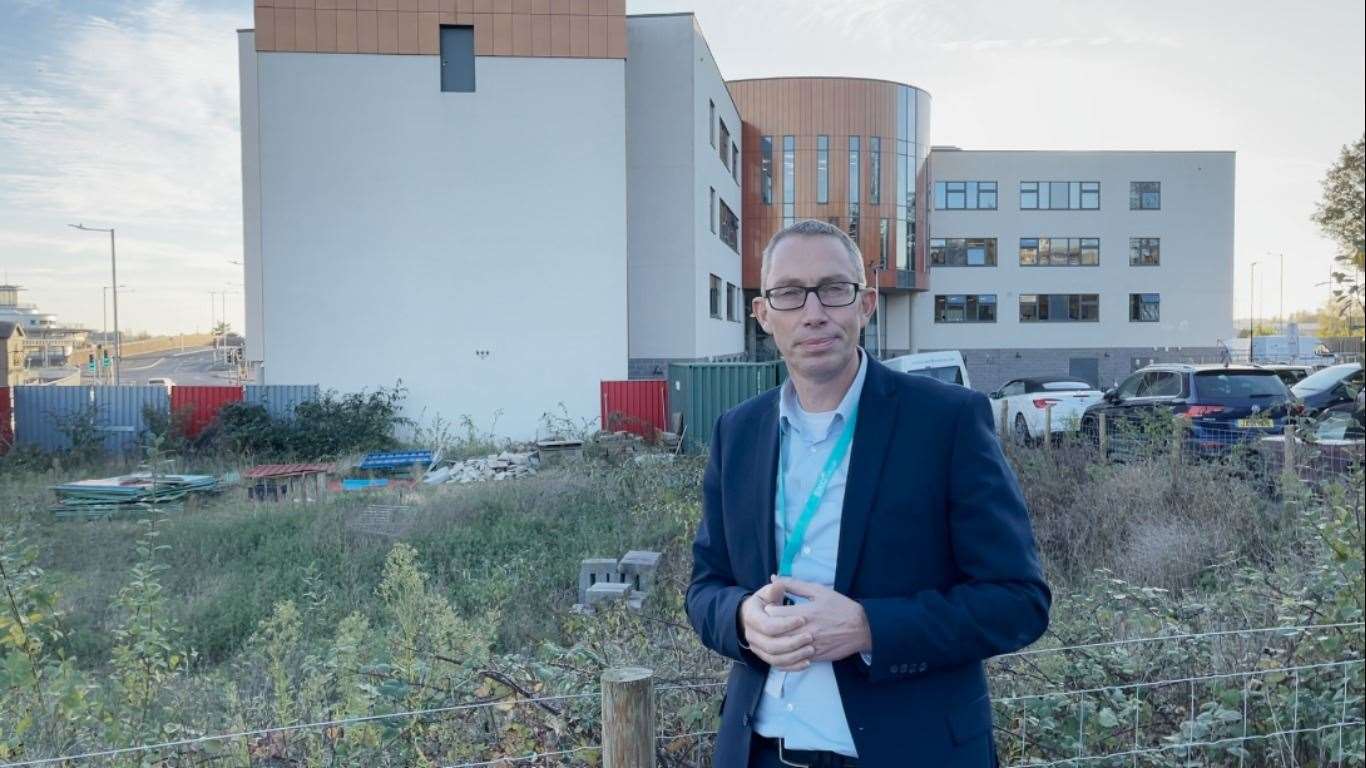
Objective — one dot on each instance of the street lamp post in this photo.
(114, 281)
(1252, 313)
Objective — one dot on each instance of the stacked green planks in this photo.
(103, 498)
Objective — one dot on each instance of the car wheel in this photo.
(1021, 431)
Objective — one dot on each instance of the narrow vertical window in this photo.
(711, 209)
(766, 169)
(875, 170)
(789, 180)
(855, 183)
(822, 169)
(711, 121)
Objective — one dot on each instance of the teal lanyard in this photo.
(813, 502)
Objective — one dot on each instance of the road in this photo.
(193, 366)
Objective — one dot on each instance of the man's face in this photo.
(815, 340)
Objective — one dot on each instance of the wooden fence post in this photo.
(1047, 426)
(1103, 438)
(1289, 472)
(1178, 438)
(628, 718)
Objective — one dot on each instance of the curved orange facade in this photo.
(849, 151)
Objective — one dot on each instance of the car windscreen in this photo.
(949, 373)
(1238, 385)
(1324, 379)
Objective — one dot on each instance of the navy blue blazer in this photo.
(935, 543)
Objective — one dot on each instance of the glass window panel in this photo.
(971, 198)
(986, 308)
(855, 180)
(1090, 195)
(986, 195)
(1090, 251)
(1029, 195)
(1029, 251)
(976, 255)
(955, 193)
(875, 170)
(1074, 195)
(1057, 194)
(766, 169)
(822, 169)
(940, 195)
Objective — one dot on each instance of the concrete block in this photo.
(607, 592)
(594, 571)
(639, 567)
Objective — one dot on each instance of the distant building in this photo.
(47, 343)
(12, 352)
(504, 208)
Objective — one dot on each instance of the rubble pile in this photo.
(500, 466)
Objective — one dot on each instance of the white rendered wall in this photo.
(251, 196)
(1195, 224)
(714, 337)
(471, 244)
(660, 185)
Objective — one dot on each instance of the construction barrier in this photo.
(639, 406)
(201, 405)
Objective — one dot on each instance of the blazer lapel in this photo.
(876, 422)
(766, 465)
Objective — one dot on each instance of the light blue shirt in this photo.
(804, 708)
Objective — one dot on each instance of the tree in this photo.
(222, 329)
(1340, 215)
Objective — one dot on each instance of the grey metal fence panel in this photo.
(120, 414)
(41, 411)
(281, 399)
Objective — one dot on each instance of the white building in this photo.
(438, 199)
(504, 208)
(683, 185)
(1077, 262)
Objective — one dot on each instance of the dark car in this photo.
(1327, 447)
(1328, 387)
(1224, 405)
(1290, 374)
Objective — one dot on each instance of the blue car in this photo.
(1224, 405)
(1331, 386)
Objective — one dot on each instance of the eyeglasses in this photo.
(789, 297)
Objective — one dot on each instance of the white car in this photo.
(162, 381)
(945, 366)
(1027, 400)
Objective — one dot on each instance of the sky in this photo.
(124, 113)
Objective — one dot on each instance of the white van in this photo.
(945, 366)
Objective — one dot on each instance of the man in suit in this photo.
(863, 547)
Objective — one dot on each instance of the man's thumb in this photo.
(772, 592)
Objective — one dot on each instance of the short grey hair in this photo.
(813, 228)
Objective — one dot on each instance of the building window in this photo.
(1145, 195)
(965, 195)
(766, 169)
(739, 316)
(875, 170)
(735, 162)
(965, 308)
(725, 143)
(711, 209)
(1059, 307)
(715, 297)
(789, 180)
(457, 59)
(1060, 195)
(822, 169)
(1145, 252)
(855, 184)
(963, 252)
(883, 233)
(730, 302)
(1059, 251)
(730, 228)
(1144, 307)
(711, 121)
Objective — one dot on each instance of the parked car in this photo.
(945, 366)
(1328, 387)
(1330, 446)
(1290, 374)
(1226, 405)
(1027, 401)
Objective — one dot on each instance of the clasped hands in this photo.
(827, 627)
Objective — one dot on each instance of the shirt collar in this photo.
(787, 399)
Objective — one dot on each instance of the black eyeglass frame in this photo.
(859, 288)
